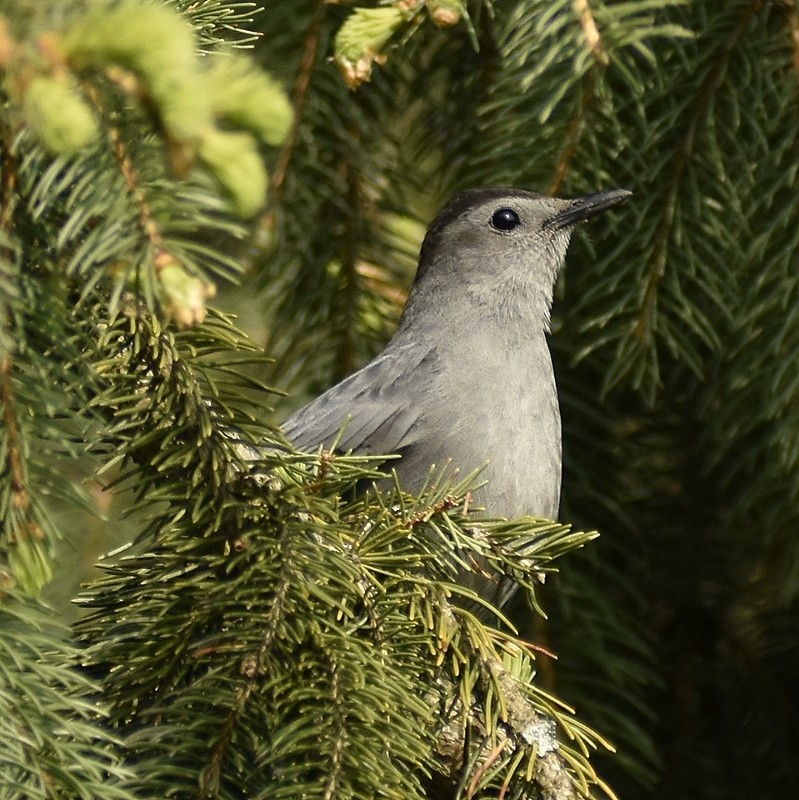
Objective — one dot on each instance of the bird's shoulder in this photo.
(371, 411)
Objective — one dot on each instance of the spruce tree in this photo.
(271, 629)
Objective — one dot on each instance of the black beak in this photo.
(582, 208)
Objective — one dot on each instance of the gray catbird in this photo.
(467, 379)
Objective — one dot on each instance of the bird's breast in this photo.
(496, 407)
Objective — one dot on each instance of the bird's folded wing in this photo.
(374, 411)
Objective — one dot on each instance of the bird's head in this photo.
(500, 250)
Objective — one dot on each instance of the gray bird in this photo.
(467, 379)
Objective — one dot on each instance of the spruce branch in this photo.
(348, 609)
(53, 743)
(793, 25)
(147, 222)
(641, 337)
(299, 99)
(254, 669)
(574, 130)
(25, 560)
(205, 115)
(591, 32)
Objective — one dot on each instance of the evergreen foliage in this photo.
(52, 744)
(276, 631)
(289, 641)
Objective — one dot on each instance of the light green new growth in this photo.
(233, 157)
(361, 39)
(157, 44)
(58, 115)
(249, 98)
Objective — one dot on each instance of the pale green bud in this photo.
(158, 45)
(249, 98)
(359, 41)
(184, 294)
(58, 115)
(446, 13)
(234, 159)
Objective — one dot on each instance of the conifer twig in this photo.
(793, 23)
(20, 497)
(299, 98)
(573, 132)
(591, 31)
(147, 222)
(641, 330)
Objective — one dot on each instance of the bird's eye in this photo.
(505, 219)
